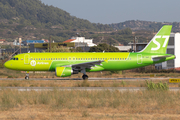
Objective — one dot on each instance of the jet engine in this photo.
(64, 71)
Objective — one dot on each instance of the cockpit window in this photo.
(14, 59)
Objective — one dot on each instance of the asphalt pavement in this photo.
(82, 88)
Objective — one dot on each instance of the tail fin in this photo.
(159, 42)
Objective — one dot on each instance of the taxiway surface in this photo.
(90, 79)
(81, 88)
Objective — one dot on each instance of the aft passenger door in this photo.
(139, 58)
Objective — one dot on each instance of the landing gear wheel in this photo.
(84, 77)
(27, 77)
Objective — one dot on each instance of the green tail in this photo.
(159, 42)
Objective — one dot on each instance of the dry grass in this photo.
(89, 105)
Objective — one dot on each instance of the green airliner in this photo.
(66, 64)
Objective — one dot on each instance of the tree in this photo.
(104, 47)
(59, 49)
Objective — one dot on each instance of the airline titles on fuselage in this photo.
(33, 63)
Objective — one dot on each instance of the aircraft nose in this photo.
(7, 64)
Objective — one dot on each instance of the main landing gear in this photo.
(27, 75)
(84, 77)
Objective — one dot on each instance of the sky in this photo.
(115, 11)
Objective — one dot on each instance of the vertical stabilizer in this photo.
(159, 42)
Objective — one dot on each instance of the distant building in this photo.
(17, 43)
(2, 41)
(173, 48)
(136, 47)
(27, 42)
(124, 48)
(46, 41)
(80, 41)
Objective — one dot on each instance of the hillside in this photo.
(31, 19)
(36, 13)
(144, 25)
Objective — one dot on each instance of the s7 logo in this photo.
(158, 44)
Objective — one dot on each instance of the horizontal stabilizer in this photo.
(160, 57)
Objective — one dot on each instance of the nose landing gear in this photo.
(27, 75)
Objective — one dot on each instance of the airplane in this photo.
(67, 64)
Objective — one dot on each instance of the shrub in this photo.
(156, 86)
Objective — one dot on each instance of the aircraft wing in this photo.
(88, 65)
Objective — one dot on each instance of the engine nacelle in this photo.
(63, 71)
